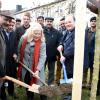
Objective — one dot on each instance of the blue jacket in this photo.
(68, 42)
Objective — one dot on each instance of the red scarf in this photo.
(35, 58)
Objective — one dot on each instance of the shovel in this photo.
(65, 80)
(51, 90)
(33, 73)
(33, 88)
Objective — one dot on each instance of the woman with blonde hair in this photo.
(32, 52)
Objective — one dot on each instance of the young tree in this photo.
(96, 60)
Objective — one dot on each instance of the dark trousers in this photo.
(3, 93)
(11, 70)
(10, 88)
(51, 71)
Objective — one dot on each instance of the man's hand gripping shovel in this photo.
(65, 80)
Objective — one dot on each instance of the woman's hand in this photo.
(37, 73)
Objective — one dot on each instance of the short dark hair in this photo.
(92, 18)
(40, 17)
(18, 20)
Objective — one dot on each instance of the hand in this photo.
(37, 73)
(60, 48)
(15, 57)
(62, 59)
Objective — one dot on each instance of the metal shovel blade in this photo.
(62, 81)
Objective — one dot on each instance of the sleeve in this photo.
(15, 44)
(42, 57)
(69, 48)
(2, 72)
(19, 46)
(59, 37)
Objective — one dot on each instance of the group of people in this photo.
(38, 46)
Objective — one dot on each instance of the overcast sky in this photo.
(11, 4)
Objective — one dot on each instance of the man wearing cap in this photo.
(94, 5)
(11, 53)
(4, 20)
(91, 47)
(52, 37)
(2, 48)
(18, 23)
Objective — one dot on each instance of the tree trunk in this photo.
(96, 60)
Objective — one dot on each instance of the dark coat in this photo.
(11, 49)
(68, 42)
(91, 46)
(86, 57)
(52, 37)
(19, 32)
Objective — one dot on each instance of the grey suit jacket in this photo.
(2, 48)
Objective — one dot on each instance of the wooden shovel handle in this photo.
(61, 54)
(17, 81)
(32, 73)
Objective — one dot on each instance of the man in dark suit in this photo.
(52, 37)
(94, 5)
(11, 52)
(5, 17)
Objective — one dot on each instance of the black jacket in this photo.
(52, 37)
(11, 48)
(19, 32)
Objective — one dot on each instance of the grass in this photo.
(86, 95)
